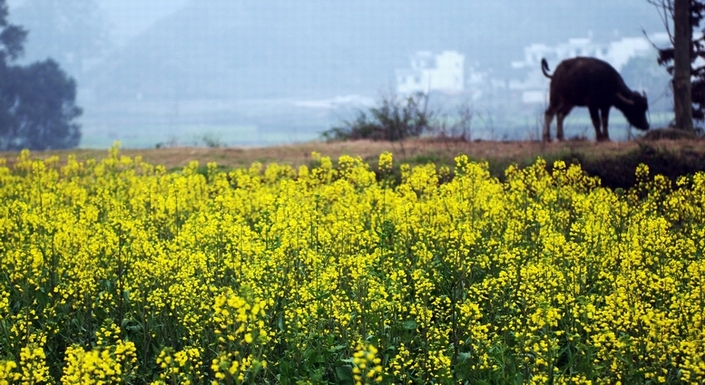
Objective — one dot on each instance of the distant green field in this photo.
(205, 135)
(151, 136)
(199, 123)
(268, 123)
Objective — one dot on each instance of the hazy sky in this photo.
(238, 68)
(129, 18)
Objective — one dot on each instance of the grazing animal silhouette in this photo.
(595, 84)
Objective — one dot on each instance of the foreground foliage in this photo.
(119, 272)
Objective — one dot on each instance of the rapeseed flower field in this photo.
(117, 271)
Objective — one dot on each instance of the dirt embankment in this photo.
(613, 162)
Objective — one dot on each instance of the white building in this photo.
(429, 72)
(534, 86)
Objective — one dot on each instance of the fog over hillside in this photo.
(319, 48)
(177, 68)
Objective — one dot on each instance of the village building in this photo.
(442, 72)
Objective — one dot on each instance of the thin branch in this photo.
(665, 12)
(649, 40)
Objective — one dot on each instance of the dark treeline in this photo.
(37, 101)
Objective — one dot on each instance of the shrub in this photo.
(396, 119)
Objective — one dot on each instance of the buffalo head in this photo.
(634, 106)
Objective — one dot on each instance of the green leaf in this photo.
(337, 348)
(344, 374)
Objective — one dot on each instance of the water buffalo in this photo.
(584, 81)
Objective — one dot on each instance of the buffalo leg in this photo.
(595, 117)
(559, 125)
(605, 120)
(547, 125)
(563, 111)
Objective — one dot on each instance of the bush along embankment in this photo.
(618, 171)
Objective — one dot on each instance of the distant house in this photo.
(534, 86)
(430, 72)
(616, 53)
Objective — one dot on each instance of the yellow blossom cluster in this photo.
(366, 365)
(180, 367)
(118, 271)
(104, 365)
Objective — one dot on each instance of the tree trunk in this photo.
(682, 98)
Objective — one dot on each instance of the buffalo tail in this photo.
(544, 68)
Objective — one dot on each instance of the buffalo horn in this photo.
(625, 99)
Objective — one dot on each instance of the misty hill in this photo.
(128, 18)
(320, 48)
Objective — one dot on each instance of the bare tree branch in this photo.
(665, 12)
